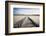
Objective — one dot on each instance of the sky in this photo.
(25, 10)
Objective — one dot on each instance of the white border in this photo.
(13, 30)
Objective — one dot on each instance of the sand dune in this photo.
(26, 21)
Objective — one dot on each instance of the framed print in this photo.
(24, 17)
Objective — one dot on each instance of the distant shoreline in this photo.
(26, 14)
